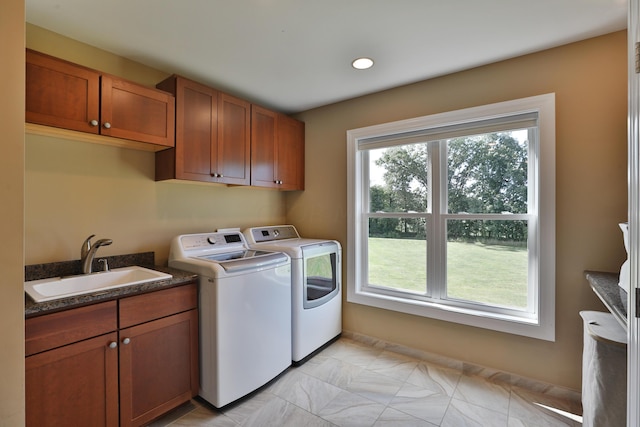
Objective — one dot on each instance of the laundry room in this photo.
(74, 189)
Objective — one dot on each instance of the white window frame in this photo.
(540, 321)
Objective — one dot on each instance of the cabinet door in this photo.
(263, 147)
(131, 111)
(196, 132)
(61, 94)
(231, 164)
(158, 367)
(74, 385)
(290, 153)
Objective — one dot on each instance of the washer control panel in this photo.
(269, 234)
(212, 241)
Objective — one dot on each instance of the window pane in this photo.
(487, 262)
(488, 173)
(398, 261)
(398, 179)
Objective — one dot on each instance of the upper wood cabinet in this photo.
(290, 153)
(277, 150)
(212, 136)
(66, 95)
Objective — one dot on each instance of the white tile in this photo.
(334, 371)
(305, 391)
(351, 410)
(278, 412)
(483, 393)
(352, 384)
(394, 418)
(538, 410)
(435, 378)
(463, 414)
(421, 403)
(394, 365)
(375, 386)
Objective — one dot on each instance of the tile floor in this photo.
(353, 384)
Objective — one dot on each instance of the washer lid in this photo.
(245, 260)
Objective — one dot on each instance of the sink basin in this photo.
(63, 287)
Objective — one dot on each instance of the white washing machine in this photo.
(316, 288)
(245, 312)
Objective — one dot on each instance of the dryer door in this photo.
(321, 273)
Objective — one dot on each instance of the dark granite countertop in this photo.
(605, 285)
(69, 268)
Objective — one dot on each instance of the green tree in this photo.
(486, 174)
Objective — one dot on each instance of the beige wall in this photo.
(74, 189)
(11, 213)
(589, 79)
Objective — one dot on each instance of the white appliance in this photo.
(624, 270)
(316, 288)
(245, 312)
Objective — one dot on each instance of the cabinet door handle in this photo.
(107, 125)
(126, 341)
(113, 344)
(93, 122)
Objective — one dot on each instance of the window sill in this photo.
(533, 328)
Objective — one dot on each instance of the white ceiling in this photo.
(293, 55)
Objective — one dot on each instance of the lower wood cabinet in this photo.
(127, 376)
(157, 361)
(74, 385)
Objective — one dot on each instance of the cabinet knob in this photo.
(277, 181)
(215, 175)
(107, 125)
(126, 341)
(113, 344)
(93, 122)
(220, 175)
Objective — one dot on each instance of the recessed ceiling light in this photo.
(362, 63)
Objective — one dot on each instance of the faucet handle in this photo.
(105, 266)
(86, 246)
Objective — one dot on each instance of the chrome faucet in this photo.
(88, 252)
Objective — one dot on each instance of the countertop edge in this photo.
(179, 277)
(605, 286)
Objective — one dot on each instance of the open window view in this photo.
(486, 259)
(448, 217)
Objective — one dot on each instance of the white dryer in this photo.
(316, 288)
(245, 312)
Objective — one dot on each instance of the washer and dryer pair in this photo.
(262, 304)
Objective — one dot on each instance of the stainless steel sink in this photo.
(63, 287)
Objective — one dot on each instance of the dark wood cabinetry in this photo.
(64, 95)
(277, 150)
(212, 136)
(116, 363)
(290, 155)
(71, 368)
(220, 138)
(234, 140)
(158, 353)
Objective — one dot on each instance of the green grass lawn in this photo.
(492, 274)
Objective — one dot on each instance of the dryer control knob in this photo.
(210, 240)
